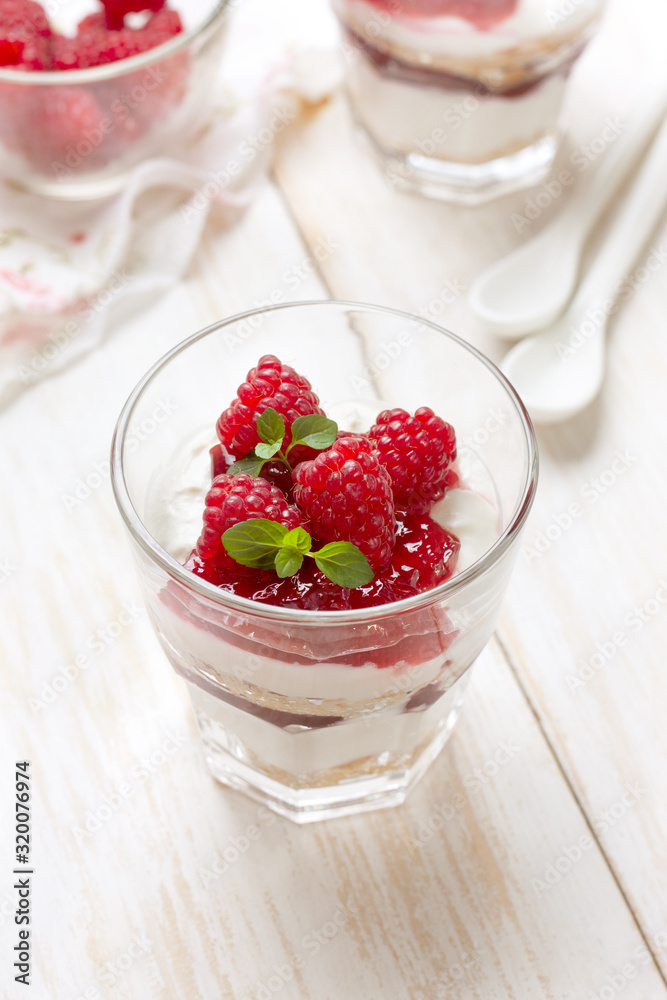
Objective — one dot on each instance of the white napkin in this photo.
(66, 268)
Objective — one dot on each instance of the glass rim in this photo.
(121, 67)
(228, 601)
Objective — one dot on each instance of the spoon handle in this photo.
(589, 199)
(634, 222)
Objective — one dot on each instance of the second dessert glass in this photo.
(461, 99)
(319, 714)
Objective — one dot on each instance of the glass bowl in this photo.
(76, 134)
(463, 103)
(317, 713)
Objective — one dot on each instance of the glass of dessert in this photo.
(99, 86)
(324, 548)
(461, 99)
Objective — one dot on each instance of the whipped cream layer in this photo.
(296, 755)
(340, 688)
(411, 119)
(436, 40)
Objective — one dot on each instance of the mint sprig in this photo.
(263, 544)
(314, 430)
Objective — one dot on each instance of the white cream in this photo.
(394, 734)
(315, 681)
(410, 118)
(175, 501)
(472, 518)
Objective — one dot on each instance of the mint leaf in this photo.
(268, 450)
(270, 427)
(288, 562)
(264, 544)
(344, 564)
(251, 465)
(298, 539)
(255, 542)
(315, 430)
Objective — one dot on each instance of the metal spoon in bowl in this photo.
(559, 372)
(529, 288)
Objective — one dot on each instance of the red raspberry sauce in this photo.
(425, 556)
(484, 14)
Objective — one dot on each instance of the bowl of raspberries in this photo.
(91, 88)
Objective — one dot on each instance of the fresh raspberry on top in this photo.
(116, 10)
(345, 494)
(270, 384)
(232, 499)
(25, 35)
(417, 452)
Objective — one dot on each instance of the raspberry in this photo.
(275, 473)
(10, 52)
(94, 44)
(25, 35)
(24, 15)
(60, 117)
(270, 384)
(162, 26)
(417, 452)
(232, 499)
(116, 10)
(346, 495)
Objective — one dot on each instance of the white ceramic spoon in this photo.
(559, 372)
(527, 290)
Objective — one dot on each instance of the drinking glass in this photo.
(321, 713)
(461, 99)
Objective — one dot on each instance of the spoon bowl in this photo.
(512, 306)
(559, 372)
(529, 288)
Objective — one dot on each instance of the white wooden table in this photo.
(541, 877)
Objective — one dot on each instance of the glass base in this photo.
(371, 781)
(468, 183)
